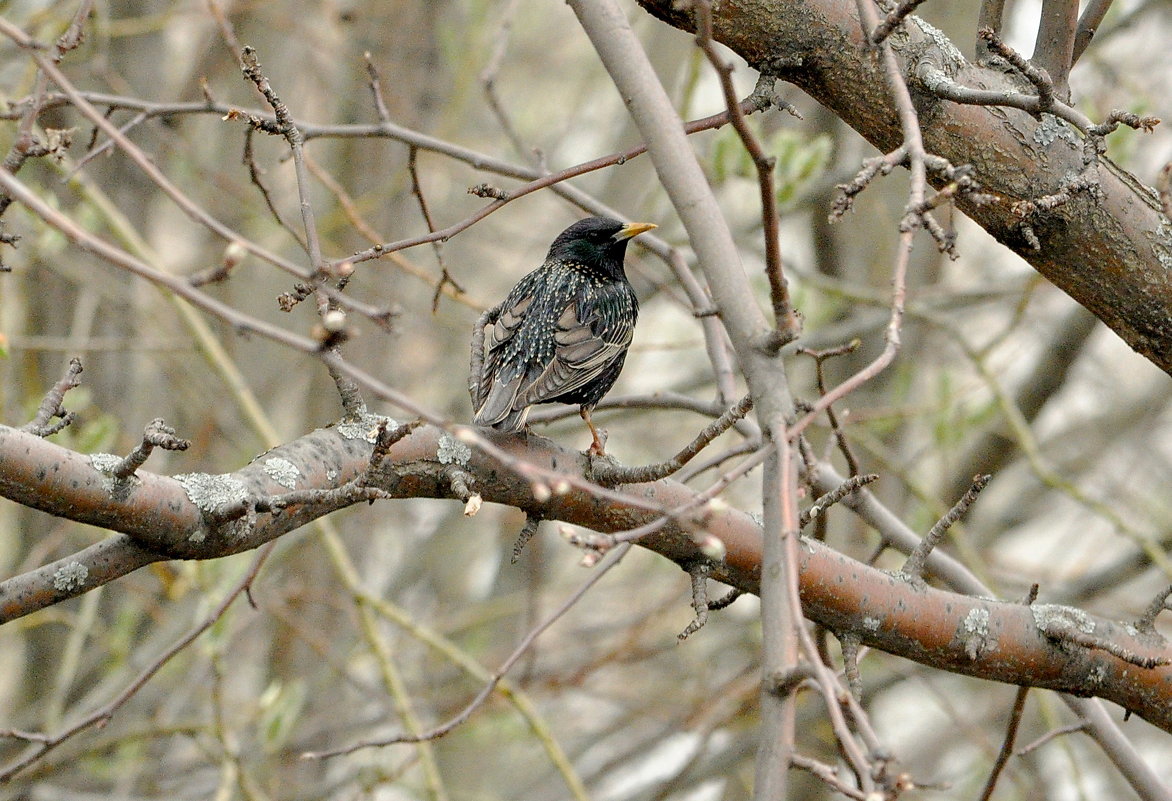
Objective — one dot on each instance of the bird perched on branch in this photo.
(562, 333)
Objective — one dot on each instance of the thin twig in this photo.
(488, 75)
(820, 356)
(783, 314)
(916, 561)
(534, 184)
(1007, 744)
(913, 149)
(824, 502)
(437, 247)
(485, 692)
(1052, 734)
(256, 176)
(893, 20)
(146, 164)
(829, 776)
(698, 573)
(611, 475)
(103, 714)
(156, 435)
(990, 17)
(1147, 621)
(936, 81)
(376, 89)
(849, 642)
(1088, 24)
(287, 128)
(1035, 75)
(532, 522)
(52, 404)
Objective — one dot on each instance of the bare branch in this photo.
(485, 692)
(417, 190)
(99, 717)
(820, 357)
(1036, 75)
(612, 475)
(532, 522)
(698, 573)
(990, 17)
(1147, 621)
(914, 566)
(376, 89)
(1006, 751)
(1061, 731)
(53, 404)
(286, 127)
(156, 435)
(784, 318)
(1054, 48)
(824, 502)
(1088, 25)
(893, 20)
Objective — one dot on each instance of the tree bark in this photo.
(1112, 252)
(164, 517)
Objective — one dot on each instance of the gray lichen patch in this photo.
(118, 489)
(1160, 244)
(210, 493)
(282, 471)
(974, 633)
(104, 462)
(452, 451)
(70, 577)
(954, 60)
(365, 428)
(1052, 129)
(1054, 619)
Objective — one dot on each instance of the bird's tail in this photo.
(498, 409)
(510, 423)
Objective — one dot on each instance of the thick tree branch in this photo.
(1112, 254)
(964, 634)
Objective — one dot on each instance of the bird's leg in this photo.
(598, 447)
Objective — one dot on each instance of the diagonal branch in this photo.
(1102, 252)
(1088, 24)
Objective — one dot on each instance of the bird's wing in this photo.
(499, 381)
(587, 340)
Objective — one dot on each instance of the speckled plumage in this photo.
(562, 333)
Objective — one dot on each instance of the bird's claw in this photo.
(598, 447)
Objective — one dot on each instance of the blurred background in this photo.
(389, 617)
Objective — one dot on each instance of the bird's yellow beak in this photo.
(633, 229)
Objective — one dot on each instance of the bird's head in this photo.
(597, 243)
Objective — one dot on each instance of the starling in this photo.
(562, 333)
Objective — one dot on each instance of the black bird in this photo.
(562, 333)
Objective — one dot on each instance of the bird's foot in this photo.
(598, 446)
